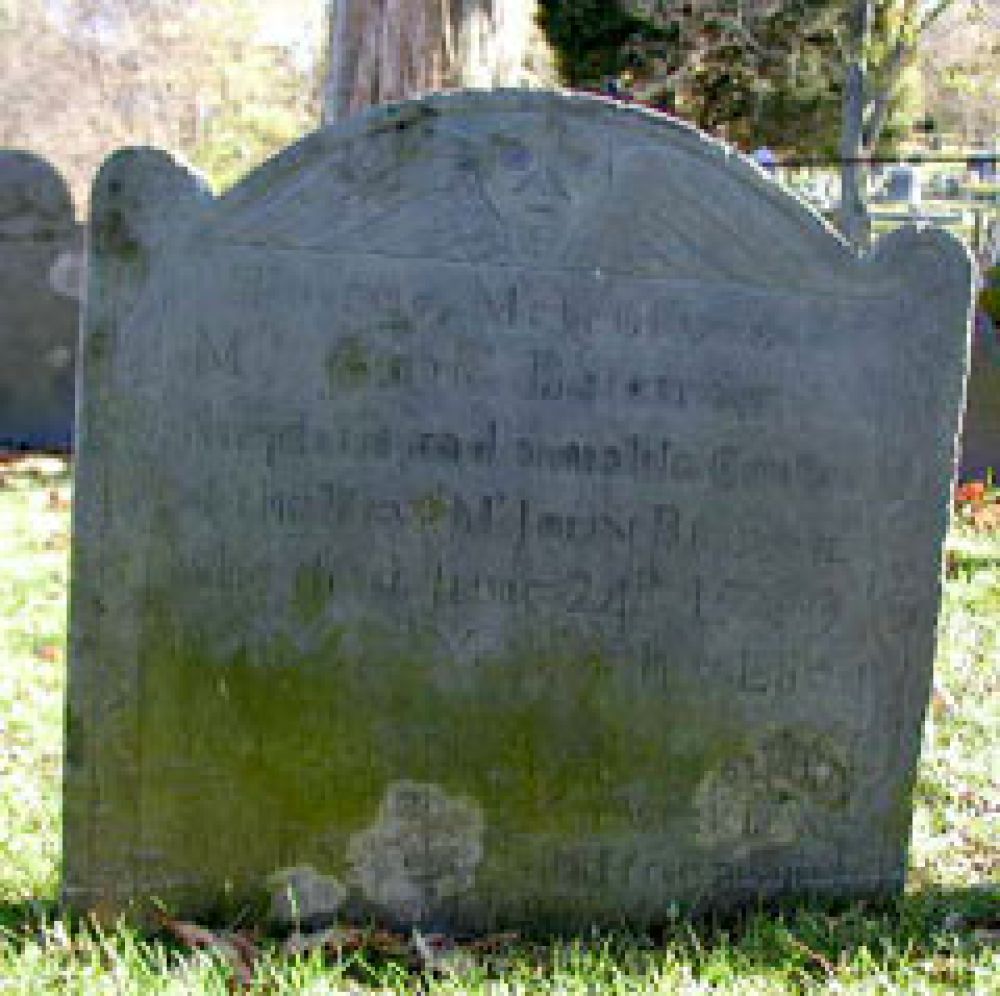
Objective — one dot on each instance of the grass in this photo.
(942, 936)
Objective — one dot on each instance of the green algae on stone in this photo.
(313, 589)
(348, 365)
(313, 741)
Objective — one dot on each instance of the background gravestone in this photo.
(502, 509)
(903, 183)
(40, 263)
(980, 442)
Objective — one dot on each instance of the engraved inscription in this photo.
(514, 460)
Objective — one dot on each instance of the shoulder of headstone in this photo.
(938, 265)
(34, 197)
(139, 195)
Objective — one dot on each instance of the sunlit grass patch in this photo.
(34, 548)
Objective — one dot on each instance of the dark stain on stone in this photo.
(99, 344)
(113, 236)
(74, 739)
(347, 365)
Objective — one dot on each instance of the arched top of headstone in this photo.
(35, 201)
(569, 181)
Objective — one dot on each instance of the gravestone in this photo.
(903, 184)
(980, 440)
(40, 261)
(501, 509)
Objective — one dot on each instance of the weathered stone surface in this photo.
(502, 509)
(40, 262)
(980, 440)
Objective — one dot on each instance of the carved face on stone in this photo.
(534, 183)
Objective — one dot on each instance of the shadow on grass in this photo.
(924, 923)
(930, 923)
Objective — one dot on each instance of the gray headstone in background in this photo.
(40, 264)
(501, 509)
(980, 441)
(903, 183)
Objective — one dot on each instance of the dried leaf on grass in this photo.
(388, 944)
(942, 701)
(334, 939)
(815, 957)
(494, 942)
(57, 541)
(970, 492)
(439, 953)
(433, 952)
(59, 501)
(238, 949)
(986, 518)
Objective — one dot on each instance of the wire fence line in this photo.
(976, 211)
(914, 159)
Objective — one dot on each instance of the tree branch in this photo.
(891, 73)
(933, 14)
(855, 224)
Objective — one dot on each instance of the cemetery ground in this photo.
(942, 936)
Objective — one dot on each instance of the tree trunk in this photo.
(855, 224)
(386, 50)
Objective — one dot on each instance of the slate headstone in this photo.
(501, 509)
(903, 183)
(983, 166)
(40, 263)
(980, 441)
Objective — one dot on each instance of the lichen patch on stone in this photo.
(301, 895)
(66, 274)
(424, 847)
(784, 788)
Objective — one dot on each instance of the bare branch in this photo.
(934, 13)
(899, 59)
(855, 224)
